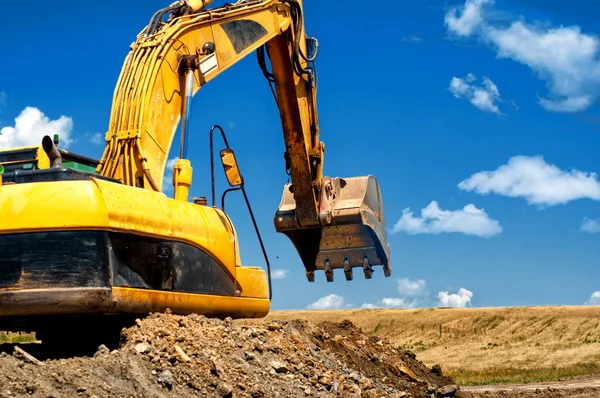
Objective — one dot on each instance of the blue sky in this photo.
(479, 119)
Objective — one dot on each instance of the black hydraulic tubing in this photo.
(243, 189)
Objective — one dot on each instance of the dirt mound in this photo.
(166, 356)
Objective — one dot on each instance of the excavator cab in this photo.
(18, 160)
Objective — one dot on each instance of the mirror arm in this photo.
(212, 161)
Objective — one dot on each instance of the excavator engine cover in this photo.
(352, 230)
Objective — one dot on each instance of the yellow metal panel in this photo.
(151, 213)
(51, 206)
(128, 300)
(253, 281)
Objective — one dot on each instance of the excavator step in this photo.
(352, 233)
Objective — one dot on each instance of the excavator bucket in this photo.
(352, 231)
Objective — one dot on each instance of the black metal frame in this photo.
(239, 188)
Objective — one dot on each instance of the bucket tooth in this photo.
(328, 271)
(352, 227)
(387, 271)
(368, 270)
(348, 269)
(310, 276)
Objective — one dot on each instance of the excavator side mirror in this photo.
(231, 167)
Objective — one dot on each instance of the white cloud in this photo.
(483, 97)
(460, 299)
(96, 139)
(590, 226)
(406, 287)
(463, 21)
(32, 125)
(167, 185)
(279, 273)
(409, 295)
(330, 302)
(594, 299)
(540, 183)
(394, 302)
(469, 220)
(564, 57)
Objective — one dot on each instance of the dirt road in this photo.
(587, 387)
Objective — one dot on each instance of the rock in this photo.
(437, 369)
(142, 348)
(182, 356)
(249, 356)
(81, 389)
(447, 391)
(365, 383)
(274, 326)
(325, 381)
(337, 338)
(279, 367)
(216, 368)
(166, 378)
(404, 369)
(102, 350)
(225, 390)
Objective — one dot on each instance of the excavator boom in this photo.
(332, 222)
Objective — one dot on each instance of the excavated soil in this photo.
(165, 355)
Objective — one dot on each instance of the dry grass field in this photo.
(487, 345)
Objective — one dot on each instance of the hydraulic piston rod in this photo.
(187, 109)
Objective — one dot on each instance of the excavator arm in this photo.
(333, 222)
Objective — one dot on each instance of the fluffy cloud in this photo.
(540, 183)
(409, 294)
(394, 302)
(32, 125)
(330, 302)
(483, 97)
(594, 299)
(590, 226)
(564, 57)
(462, 21)
(279, 273)
(96, 139)
(406, 287)
(469, 220)
(167, 185)
(460, 299)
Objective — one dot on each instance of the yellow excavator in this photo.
(81, 237)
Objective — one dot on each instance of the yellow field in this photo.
(496, 342)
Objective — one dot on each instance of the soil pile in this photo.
(166, 355)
